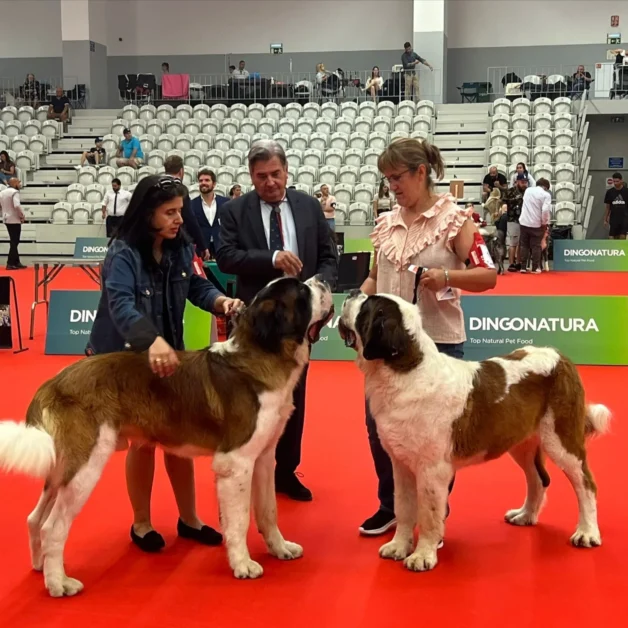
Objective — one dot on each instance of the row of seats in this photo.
(538, 155)
(39, 144)
(25, 161)
(278, 112)
(536, 122)
(543, 137)
(525, 105)
(289, 126)
(49, 128)
(554, 174)
(23, 114)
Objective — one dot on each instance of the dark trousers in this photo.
(530, 242)
(111, 224)
(15, 231)
(288, 454)
(383, 465)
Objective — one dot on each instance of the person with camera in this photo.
(328, 203)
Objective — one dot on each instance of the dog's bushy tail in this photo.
(598, 420)
(26, 449)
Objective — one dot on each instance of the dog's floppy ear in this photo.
(269, 324)
(382, 337)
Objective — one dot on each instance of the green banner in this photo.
(591, 255)
(589, 330)
(71, 315)
(90, 248)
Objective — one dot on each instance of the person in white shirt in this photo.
(534, 224)
(241, 73)
(13, 216)
(114, 205)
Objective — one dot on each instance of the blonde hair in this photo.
(411, 153)
(320, 68)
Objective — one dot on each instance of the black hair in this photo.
(4, 152)
(136, 228)
(165, 64)
(407, 45)
(116, 180)
(617, 175)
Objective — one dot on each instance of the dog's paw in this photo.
(248, 569)
(586, 538)
(396, 550)
(58, 587)
(287, 551)
(520, 517)
(422, 560)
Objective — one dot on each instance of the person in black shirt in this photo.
(616, 201)
(95, 155)
(59, 107)
(493, 179)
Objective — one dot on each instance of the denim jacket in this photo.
(130, 312)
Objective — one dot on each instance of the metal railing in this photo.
(302, 87)
(13, 92)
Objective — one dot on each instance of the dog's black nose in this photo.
(354, 293)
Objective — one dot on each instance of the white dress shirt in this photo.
(240, 74)
(536, 208)
(209, 210)
(288, 227)
(11, 207)
(124, 198)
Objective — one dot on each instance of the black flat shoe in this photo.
(205, 536)
(151, 542)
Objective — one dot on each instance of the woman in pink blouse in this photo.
(431, 231)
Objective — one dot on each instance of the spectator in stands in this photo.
(241, 73)
(514, 202)
(96, 155)
(59, 108)
(409, 60)
(616, 202)
(206, 208)
(232, 69)
(382, 202)
(150, 249)
(432, 231)
(328, 204)
(31, 91)
(493, 179)
(13, 217)
(235, 192)
(374, 84)
(265, 234)
(114, 207)
(7, 167)
(173, 166)
(165, 68)
(581, 81)
(521, 169)
(534, 224)
(130, 150)
(321, 74)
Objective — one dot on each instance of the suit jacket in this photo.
(211, 233)
(190, 225)
(244, 248)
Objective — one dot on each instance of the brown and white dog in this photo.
(231, 401)
(436, 414)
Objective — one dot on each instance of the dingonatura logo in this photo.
(595, 252)
(95, 249)
(486, 323)
(82, 316)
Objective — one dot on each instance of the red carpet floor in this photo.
(490, 574)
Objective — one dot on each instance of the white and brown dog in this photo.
(436, 414)
(231, 401)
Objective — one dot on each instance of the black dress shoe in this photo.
(151, 542)
(206, 535)
(290, 486)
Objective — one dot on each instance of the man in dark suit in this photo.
(265, 234)
(206, 209)
(174, 167)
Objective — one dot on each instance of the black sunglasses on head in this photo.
(166, 181)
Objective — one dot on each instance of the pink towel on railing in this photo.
(175, 86)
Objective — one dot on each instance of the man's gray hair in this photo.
(265, 150)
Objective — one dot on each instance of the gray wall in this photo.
(608, 139)
(98, 91)
(470, 64)
(42, 67)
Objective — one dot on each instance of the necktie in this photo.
(115, 204)
(276, 235)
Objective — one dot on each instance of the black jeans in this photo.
(383, 465)
(15, 231)
(530, 243)
(111, 224)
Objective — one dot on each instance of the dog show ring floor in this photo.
(489, 573)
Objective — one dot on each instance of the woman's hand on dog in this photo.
(162, 358)
(433, 279)
(228, 306)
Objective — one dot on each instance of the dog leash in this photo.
(417, 279)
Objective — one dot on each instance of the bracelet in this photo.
(446, 278)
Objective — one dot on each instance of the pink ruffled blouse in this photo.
(428, 243)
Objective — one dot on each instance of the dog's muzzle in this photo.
(314, 332)
(346, 334)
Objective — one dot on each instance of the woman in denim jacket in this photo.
(146, 278)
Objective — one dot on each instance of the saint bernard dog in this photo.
(436, 414)
(231, 401)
